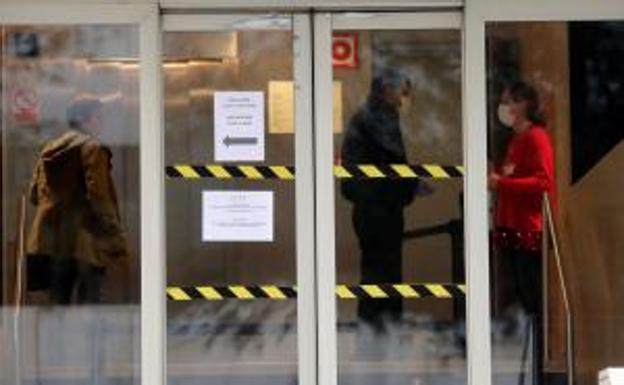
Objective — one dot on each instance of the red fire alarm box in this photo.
(345, 50)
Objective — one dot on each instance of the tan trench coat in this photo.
(77, 212)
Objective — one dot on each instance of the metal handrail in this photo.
(549, 232)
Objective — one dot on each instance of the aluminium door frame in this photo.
(306, 5)
(477, 279)
(300, 24)
(477, 13)
(145, 17)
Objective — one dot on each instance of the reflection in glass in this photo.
(400, 102)
(76, 232)
(70, 268)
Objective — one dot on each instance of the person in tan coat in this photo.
(76, 231)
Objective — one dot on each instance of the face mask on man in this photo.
(406, 105)
(505, 116)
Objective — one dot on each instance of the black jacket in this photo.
(373, 136)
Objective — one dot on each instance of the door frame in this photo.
(306, 5)
(324, 24)
(145, 17)
(300, 25)
(153, 248)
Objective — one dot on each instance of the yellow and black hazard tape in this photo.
(188, 171)
(398, 171)
(365, 291)
(361, 171)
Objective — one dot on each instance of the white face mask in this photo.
(505, 116)
(406, 105)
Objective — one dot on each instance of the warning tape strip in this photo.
(229, 172)
(365, 291)
(362, 171)
(398, 171)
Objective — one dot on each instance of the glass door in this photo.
(239, 202)
(389, 169)
(74, 120)
(244, 244)
(548, 137)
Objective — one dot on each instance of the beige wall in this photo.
(593, 227)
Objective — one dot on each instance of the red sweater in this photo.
(527, 172)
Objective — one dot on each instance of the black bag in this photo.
(38, 272)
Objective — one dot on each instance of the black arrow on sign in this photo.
(240, 141)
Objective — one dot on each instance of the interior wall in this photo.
(594, 228)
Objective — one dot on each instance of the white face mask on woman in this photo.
(505, 115)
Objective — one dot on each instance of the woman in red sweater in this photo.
(519, 184)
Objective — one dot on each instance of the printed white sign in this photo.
(239, 126)
(237, 216)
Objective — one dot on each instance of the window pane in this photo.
(229, 112)
(70, 208)
(397, 142)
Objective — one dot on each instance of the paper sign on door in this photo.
(237, 216)
(239, 126)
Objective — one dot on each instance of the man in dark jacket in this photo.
(373, 136)
(77, 230)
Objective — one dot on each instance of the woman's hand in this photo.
(493, 179)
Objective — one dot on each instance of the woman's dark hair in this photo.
(521, 91)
